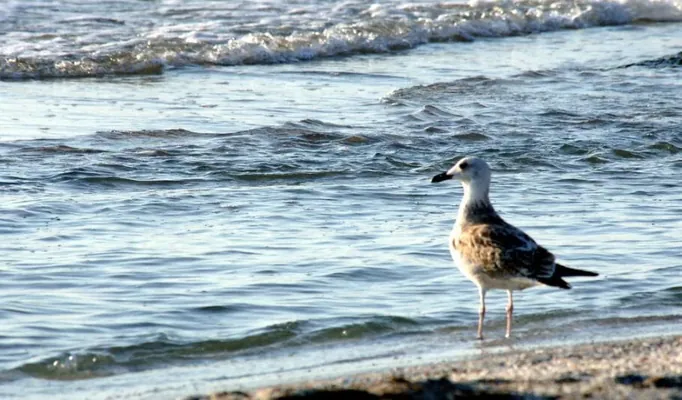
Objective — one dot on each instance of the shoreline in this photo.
(649, 368)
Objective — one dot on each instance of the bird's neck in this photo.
(475, 206)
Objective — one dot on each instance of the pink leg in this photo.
(510, 309)
(481, 313)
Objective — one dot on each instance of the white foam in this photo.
(386, 32)
(307, 34)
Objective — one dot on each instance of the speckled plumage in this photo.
(489, 251)
(503, 251)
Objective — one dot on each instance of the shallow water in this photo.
(208, 225)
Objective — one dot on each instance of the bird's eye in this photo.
(463, 165)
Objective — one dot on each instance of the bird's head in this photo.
(468, 170)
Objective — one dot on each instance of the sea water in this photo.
(208, 195)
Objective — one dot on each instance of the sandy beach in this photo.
(635, 369)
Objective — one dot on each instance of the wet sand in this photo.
(635, 369)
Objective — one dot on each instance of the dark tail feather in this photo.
(555, 281)
(562, 271)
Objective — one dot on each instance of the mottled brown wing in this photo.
(503, 250)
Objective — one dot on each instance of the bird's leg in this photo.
(481, 313)
(510, 309)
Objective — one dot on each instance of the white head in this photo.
(474, 173)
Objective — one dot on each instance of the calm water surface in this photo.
(198, 196)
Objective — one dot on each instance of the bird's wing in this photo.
(502, 249)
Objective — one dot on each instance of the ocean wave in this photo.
(673, 61)
(149, 134)
(379, 28)
(296, 151)
(98, 362)
(444, 89)
(16, 68)
(62, 149)
(670, 296)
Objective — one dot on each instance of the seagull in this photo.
(491, 252)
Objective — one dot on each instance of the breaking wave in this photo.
(376, 29)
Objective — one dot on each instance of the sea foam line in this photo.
(378, 29)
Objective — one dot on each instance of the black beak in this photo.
(441, 177)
